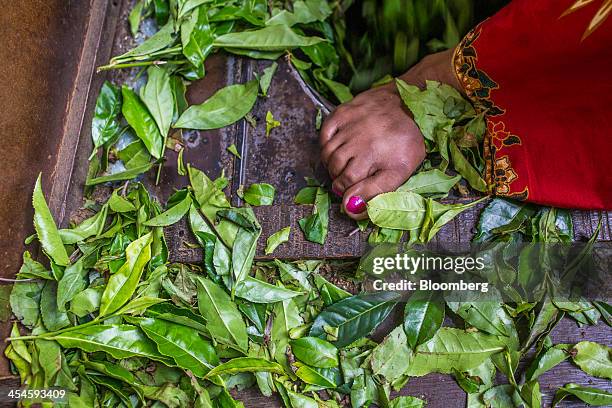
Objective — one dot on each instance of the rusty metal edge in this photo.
(326, 106)
(103, 17)
(100, 21)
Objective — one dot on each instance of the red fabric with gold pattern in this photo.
(542, 70)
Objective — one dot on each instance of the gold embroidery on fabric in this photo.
(503, 174)
(600, 16)
(476, 82)
(499, 172)
(478, 85)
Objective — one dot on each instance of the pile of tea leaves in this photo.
(106, 317)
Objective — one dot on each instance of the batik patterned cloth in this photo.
(542, 71)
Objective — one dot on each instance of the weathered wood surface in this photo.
(343, 241)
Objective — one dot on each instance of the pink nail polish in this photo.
(336, 192)
(356, 205)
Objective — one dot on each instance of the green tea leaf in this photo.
(531, 394)
(391, 357)
(257, 291)
(157, 42)
(423, 316)
(162, 12)
(24, 300)
(134, 155)
(46, 229)
(211, 199)
(544, 322)
(122, 284)
(50, 358)
(315, 352)
(72, 282)
(105, 124)
(406, 402)
(279, 237)
(604, 308)
(135, 17)
(243, 253)
(172, 215)
(330, 292)
(31, 269)
(183, 344)
(304, 12)
(233, 150)
(221, 256)
(179, 315)
(139, 305)
(272, 38)
(315, 226)
(286, 317)
(118, 340)
(306, 195)
(158, 98)
(225, 107)
(594, 359)
(92, 226)
(315, 377)
(483, 311)
(401, 210)
(266, 78)
(271, 123)
(120, 176)
(120, 204)
(453, 349)
(428, 105)
(224, 321)
(52, 317)
(139, 118)
(87, 301)
(246, 365)
(497, 214)
(114, 371)
(186, 6)
(260, 194)
(430, 182)
(354, 317)
(22, 366)
(444, 213)
(242, 217)
(197, 38)
(592, 396)
(503, 396)
(467, 171)
(340, 91)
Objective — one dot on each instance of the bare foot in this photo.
(371, 145)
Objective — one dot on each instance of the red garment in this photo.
(547, 91)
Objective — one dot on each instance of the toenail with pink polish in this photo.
(356, 205)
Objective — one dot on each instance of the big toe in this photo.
(356, 196)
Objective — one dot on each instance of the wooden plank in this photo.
(343, 241)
